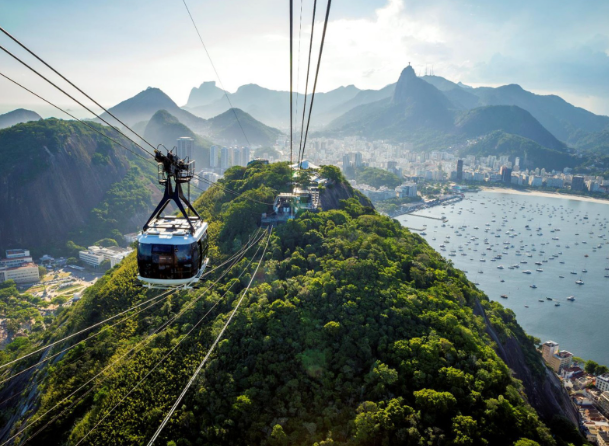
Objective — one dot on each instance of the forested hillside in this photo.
(57, 183)
(355, 332)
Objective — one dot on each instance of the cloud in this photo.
(543, 46)
(115, 51)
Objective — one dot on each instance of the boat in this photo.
(504, 296)
(557, 304)
(533, 286)
(561, 277)
(571, 298)
(579, 282)
(548, 298)
(541, 300)
(526, 271)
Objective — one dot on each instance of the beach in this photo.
(535, 193)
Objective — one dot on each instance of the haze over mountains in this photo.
(224, 129)
(18, 116)
(570, 124)
(430, 112)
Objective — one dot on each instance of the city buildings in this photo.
(402, 159)
(603, 402)
(406, 190)
(557, 360)
(15, 257)
(18, 266)
(214, 157)
(535, 181)
(506, 174)
(602, 382)
(26, 273)
(130, 238)
(185, 148)
(95, 255)
(577, 183)
(206, 179)
(224, 158)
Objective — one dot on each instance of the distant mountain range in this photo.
(567, 123)
(272, 106)
(433, 113)
(226, 128)
(17, 117)
(430, 112)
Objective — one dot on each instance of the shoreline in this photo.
(543, 194)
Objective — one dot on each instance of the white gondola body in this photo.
(170, 255)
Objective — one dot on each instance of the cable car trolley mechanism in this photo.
(172, 251)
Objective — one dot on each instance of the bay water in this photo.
(495, 237)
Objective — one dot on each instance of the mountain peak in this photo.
(406, 83)
(207, 93)
(18, 116)
(407, 73)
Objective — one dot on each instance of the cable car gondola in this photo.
(172, 251)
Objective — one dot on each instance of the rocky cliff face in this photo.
(52, 174)
(544, 393)
(331, 196)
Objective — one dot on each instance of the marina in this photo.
(494, 236)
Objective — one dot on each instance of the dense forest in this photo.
(354, 332)
(375, 177)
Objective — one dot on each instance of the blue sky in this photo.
(114, 49)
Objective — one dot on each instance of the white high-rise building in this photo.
(235, 156)
(214, 154)
(245, 156)
(208, 178)
(185, 148)
(224, 158)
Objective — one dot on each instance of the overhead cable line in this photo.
(217, 75)
(120, 144)
(48, 358)
(167, 354)
(84, 330)
(160, 298)
(71, 97)
(300, 148)
(73, 117)
(298, 66)
(237, 257)
(95, 114)
(291, 76)
(211, 349)
(321, 50)
(72, 84)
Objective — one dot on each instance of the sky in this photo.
(114, 49)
